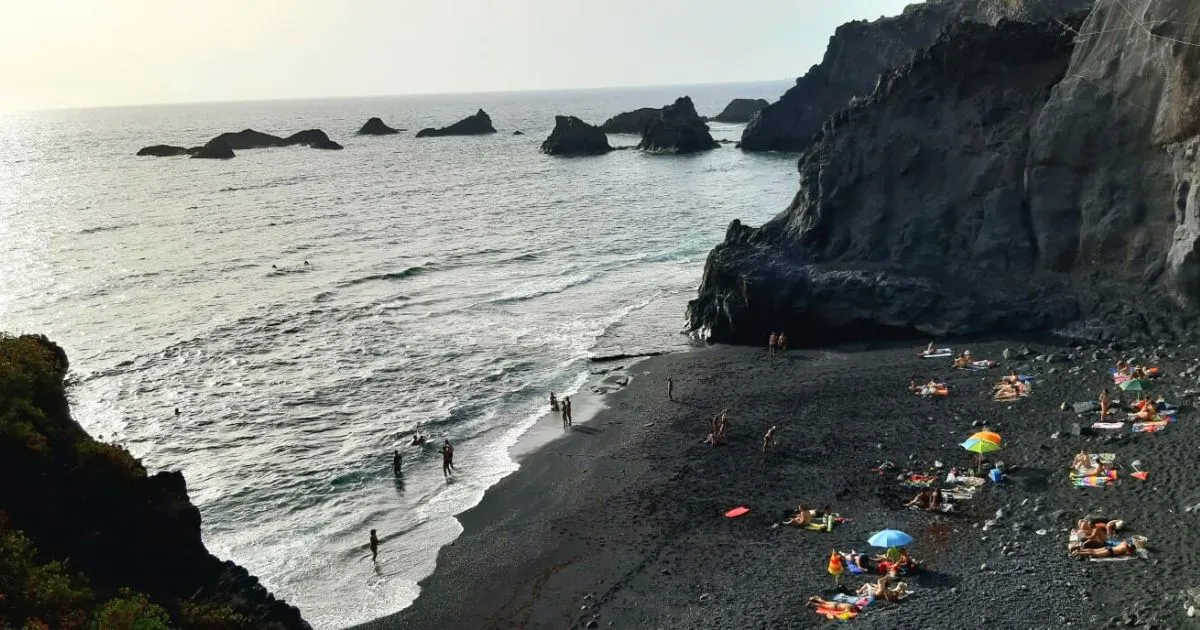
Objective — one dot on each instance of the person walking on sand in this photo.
(374, 547)
(447, 459)
(396, 463)
(769, 440)
(1105, 401)
(670, 389)
(781, 344)
(772, 341)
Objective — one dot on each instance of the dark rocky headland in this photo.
(88, 537)
(860, 51)
(476, 124)
(376, 127)
(740, 110)
(224, 145)
(1012, 178)
(677, 129)
(572, 136)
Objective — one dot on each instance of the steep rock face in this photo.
(677, 129)
(1113, 174)
(215, 149)
(913, 215)
(162, 150)
(631, 122)
(572, 136)
(92, 503)
(740, 110)
(376, 127)
(476, 124)
(859, 52)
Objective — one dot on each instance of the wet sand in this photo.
(620, 523)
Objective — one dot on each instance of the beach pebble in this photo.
(591, 624)
(983, 567)
(705, 597)
(1191, 611)
(1040, 532)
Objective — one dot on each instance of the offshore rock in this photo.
(476, 124)
(376, 127)
(572, 136)
(677, 129)
(215, 149)
(740, 110)
(314, 138)
(859, 52)
(631, 122)
(162, 150)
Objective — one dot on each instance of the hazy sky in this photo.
(67, 53)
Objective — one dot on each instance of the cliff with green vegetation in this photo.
(89, 539)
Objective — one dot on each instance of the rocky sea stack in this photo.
(631, 122)
(476, 124)
(223, 146)
(740, 110)
(1012, 178)
(572, 136)
(677, 129)
(131, 540)
(859, 52)
(376, 127)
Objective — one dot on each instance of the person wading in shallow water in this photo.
(566, 405)
(396, 463)
(374, 547)
(447, 459)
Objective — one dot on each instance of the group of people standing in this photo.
(777, 344)
(563, 406)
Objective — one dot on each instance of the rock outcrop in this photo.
(859, 52)
(215, 149)
(223, 146)
(740, 110)
(162, 150)
(572, 136)
(963, 197)
(476, 124)
(94, 504)
(631, 122)
(677, 129)
(376, 127)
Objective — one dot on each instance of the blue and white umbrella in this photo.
(890, 538)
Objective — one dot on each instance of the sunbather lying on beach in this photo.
(934, 388)
(1112, 549)
(801, 518)
(860, 560)
(817, 601)
(1082, 462)
(928, 500)
(884, 589)
(1008, 391)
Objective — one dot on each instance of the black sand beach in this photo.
(621, 524)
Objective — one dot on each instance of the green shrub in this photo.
(33, 592)
(106, 459)
(130, 611)
(211, 616)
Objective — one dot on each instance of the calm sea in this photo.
(450, 284)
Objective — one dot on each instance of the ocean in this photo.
(307, 311)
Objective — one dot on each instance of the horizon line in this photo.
(393, 95)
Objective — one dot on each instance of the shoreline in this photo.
(621, 524)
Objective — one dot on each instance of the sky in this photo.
(82, 53)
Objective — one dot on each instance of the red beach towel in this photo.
(736, 512)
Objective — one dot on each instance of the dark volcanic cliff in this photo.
(991, 187)
(95, 506)
(859, 52)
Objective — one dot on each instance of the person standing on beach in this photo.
(670, 389)
(781, 344)
(447, 459)
(566, 415)
(771, 342)
(396, 463)
(769, 440)
(374, 547)
(1105, 401)
(567, 410)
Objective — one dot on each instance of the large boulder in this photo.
(314, 138)
(968, 194)
(215, 149)
(572, 136)
(376, 127)
(162, 150)
(631, 122)
(677, 129)
(476, 124)
(249, 139)
(740, 110)
(859, 52)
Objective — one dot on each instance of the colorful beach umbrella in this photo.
(889, 538)
(987, 436)
(1135, 385)
(979, 447)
